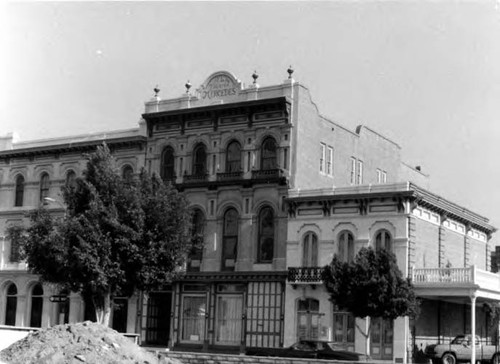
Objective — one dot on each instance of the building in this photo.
(276, 189)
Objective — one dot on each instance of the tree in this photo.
(371, 286)
(117, 235)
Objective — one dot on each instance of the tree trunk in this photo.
(102, 306)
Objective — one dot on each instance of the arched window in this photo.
(127, 173)
(346, 246)
(120, 313)
(196, 254)
(383, 240)
(44, 187)
(167, 169)
(19, 198)
(233, 157)
(36, 306)
(70, 180)
(200, 160)
(269, 154)
(310, 250)
(63, 308)
(11, 305)
(266, 235)
(230, 239)
(308, 319)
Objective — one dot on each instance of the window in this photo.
(36, 306)
(196, 254)
(360, 173)
(353, 170)
(127, 173)
(193, 318)
(343, 330)
(384, 177)
(167, 169)
(15, 236)
(120, 312)
(233, 157)
(11, 305)
(44, 187)
(329, 162)
(381, 176)
(19, 191)
(70, 182)
(322, 154)
(346, 246)
(266, 235)
(383, 240)
(230, 239)
(268, 154)
(200, 160)
(310, 250)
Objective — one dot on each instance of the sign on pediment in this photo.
(220, 85)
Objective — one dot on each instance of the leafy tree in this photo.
(116, 236)
(370, 286)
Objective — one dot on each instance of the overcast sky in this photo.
(424, 74)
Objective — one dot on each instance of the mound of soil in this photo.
(84, 342)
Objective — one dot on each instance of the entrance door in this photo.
(381, 339)
(343, 330)
(158, 318)
(308, 319)
(229, 319)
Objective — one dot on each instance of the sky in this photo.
(424, 74)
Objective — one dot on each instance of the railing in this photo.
(309, 275)
(267, 173)
(441, 275)
(229, 176)
(195, 178)
(456, 276)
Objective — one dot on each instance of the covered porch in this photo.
(455, 301)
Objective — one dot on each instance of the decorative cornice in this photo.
(233, 276)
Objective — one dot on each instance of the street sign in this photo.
(58, 298)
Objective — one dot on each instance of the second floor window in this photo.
(167, 169)
(196, 253)
(233, 157)
(266, 235)
(329, 162)
(346, 246)
(310, 250)
(322, 155)
(199, 160)
(353, 170)
(44, 187)
(127, 173)
(70, 182)
(359, 180)
(268, 158)
(19, 198)
(383, 240)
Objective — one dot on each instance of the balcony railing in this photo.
(305, 275)
(190, 178)
(267, 173)
(229, 176)
(470, 276)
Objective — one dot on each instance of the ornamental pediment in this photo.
(219, 87)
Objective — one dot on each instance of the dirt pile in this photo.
(84, 342)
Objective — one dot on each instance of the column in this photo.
(473, 327)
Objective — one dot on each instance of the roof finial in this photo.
(188, 86)
(255, 76)
(156, 90)
(290, 72)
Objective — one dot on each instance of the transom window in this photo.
(269, 154)
(233, 157)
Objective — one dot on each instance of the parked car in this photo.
(460, 350)
(316, 349)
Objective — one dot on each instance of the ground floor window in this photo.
(343, 330)
(382, 337)
(308, 319)
(11, 305)
(36, 306)
(193, 318)
(229, 319)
